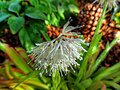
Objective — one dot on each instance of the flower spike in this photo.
(58, 54)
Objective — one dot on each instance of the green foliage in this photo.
(3, 5)
(3, 16)
(21, 76)
(15, 23)
(116, 15)
(19, 14)
(31, 27)
(56, 79)
(34, 13)
(88, 70)
(14, 7)
(25, 39)
(16, 58)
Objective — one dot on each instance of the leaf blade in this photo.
(16, 58)
(3, 16)
(25, 39)
(15, 23)
(34, 13)
(14, 7)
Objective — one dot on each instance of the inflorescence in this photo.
(111, 3)
(60, 53)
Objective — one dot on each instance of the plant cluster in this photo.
(28, 19)
(18, 75)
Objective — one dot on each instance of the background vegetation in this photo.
(28, 20)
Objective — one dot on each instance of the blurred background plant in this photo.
(117, 18)
(30, 20)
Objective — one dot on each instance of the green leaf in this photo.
(2, 47)
(99, 71)
(26, 87)
(8, 70)
(3, 16)
(73, 8)
(34, 13)
(86, 83)
(45, 35)
(79, 87)
(83, 67)
(113, 84)
(3, 5)
(116, 10)
(109, 71)
(29, 76)
(63, 86)
(61, 11)
(34, 32)
(103, 54)
(16, 58)
(96, 85)
(3, 73)
(37, 84)
(117, 79)
(34, 2)
(53, 19)
(25, 39)
(56, 79)
(15, 23)
(22, 53)
(117, 19)
(42, 9)
(95, 44)
(14, 7)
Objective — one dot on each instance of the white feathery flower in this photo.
(111, 3)
(58, 54)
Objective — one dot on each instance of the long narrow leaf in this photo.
(103, 54)
(86, 83)
(37, 84)
(107, 72)
(117, 79)
(83, 67)
(45, 35)
(96, 85)
(8, 71)
(15, 57)
(113, 84)
(32, 74)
